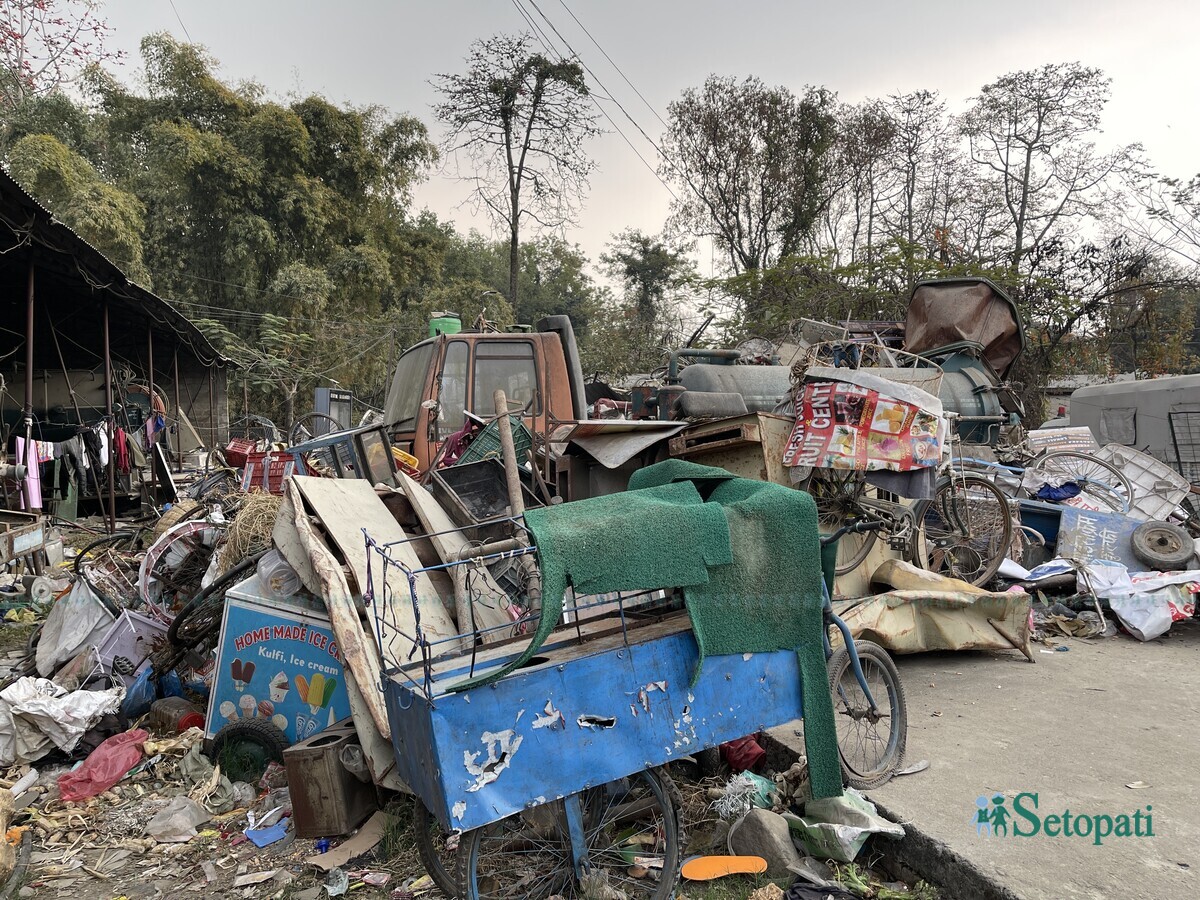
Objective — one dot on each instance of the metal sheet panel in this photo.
(556, 729)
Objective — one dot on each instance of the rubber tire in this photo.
(260, 732)
(839, 663)
(1163, 546)
(423, 825)
(468, 849)
(186, 641)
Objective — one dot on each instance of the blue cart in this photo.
(549, 779)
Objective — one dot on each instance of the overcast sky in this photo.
(375, 51)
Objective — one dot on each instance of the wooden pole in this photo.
(108, 419)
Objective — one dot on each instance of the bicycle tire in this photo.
(837, 495)
(953, 532)
(1117, 495)
(80, 572)
(425, 827)
(555, 865)
(842, 685)
(193, 624)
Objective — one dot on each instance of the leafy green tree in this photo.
(752, 163)
(110, 219)
(521, 121)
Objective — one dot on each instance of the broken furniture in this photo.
(364, 452)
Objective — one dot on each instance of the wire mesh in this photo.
(508, 568)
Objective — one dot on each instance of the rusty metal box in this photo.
(327, 800)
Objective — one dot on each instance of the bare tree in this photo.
(521, 120)
(1033, 131)
(45, 44)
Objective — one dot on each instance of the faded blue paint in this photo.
(736, 695)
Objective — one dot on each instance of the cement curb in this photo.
(917, 852)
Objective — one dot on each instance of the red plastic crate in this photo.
(266, 471)
(238, 450)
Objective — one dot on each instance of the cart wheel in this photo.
(438, 858)
(1163, 545)
(632, 838)
(244, 749)
(870, 744)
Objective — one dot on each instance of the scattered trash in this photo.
(837, 828)
(1137, 785)
(707, 868)
(104, 767)
(337, 883)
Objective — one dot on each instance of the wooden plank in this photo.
(477, 597)
(347, 507)
(361, 655)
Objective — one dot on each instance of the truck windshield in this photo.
(404, 396)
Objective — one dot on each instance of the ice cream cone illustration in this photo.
(229, 711)
(332, 718)
(249, 706)
(301, 721)
(310, 727)
(266, 709)
(279, 688)
(279, 721)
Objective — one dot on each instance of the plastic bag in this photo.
(106, 766)
(140, 694)
(76, 621)
(176, 822)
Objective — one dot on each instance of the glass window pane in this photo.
(507, 366)
(404, 397)
(452, 396)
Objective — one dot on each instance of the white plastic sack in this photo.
(176, 822)
(1147, 616)
(37, 714)
(76, 621)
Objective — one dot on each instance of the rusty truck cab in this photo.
(439, 379)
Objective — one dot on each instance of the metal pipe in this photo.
(212, 413)
(693, 353)
(108, 419)
(26, 447)
(150, 389)
(178, 419)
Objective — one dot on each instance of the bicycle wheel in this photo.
(838, 495)
(1100, 483)
(965, 530)
(632, 834)
(437, 849)
(870, 744)
(200, 620)
(87, 557)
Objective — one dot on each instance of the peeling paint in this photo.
(501, 746)
(550, 718)
(459, 810)
(593, 722)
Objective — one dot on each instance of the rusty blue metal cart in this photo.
(550, 779)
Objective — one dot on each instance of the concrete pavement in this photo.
(1075, 729)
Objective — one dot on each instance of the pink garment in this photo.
(33, 478)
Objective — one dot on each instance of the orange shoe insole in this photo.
(706, 868)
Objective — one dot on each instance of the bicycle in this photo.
(871, 741)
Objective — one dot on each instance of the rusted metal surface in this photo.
(750, 446)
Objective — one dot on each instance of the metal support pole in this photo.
(27, 447)
(178, 419)
(212, 412)
(108, 420)
(110, 524)
(150, 389)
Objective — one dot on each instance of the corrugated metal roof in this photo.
(39, 224)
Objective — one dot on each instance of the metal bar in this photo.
(109, 524)
(178, 419)
(212, 413)
(150, 390)
(108, 419)
(573, 807)
(27, 481)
